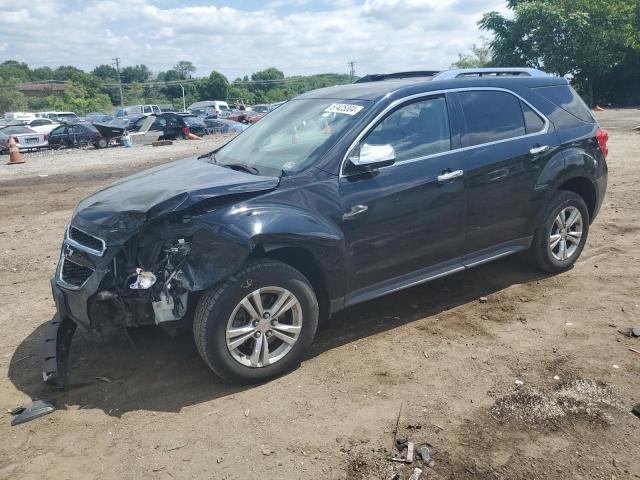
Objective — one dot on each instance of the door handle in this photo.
(448, 175)
(355, 210)
(539, 149)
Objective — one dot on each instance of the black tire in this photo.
(216, 305)
(102, 143)
(540, 253)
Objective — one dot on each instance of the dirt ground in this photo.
(534, 383)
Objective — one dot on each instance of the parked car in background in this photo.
(19, 116)
(148, 109)
(42, 125)
(261, 108)
(172, 125)
(26, 138)
(196, 124)
(62, 116)
(222, 125)
(78, 134)
(210, 106)
(98, 117)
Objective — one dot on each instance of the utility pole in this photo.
(117, 65)
(184, 105)
(352, 70)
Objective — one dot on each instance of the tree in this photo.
(479, 57)
(582, 38)
(106, 73)
(214, 87)
(10, 98)
(136, 73)
(184, 69)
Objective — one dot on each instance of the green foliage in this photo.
(214, 87)
(184, 69)
(587, 39)
(10, 98)
(136, 73)
(479, 57)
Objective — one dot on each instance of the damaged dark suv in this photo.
(341, 195)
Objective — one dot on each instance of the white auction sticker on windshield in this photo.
(345, 108)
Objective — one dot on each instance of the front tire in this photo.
(562, 233)
(258, 324)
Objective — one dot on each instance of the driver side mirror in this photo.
(373, 156)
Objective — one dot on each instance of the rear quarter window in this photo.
(566, 98)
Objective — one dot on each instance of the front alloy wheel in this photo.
(264, 327)
(258, 324)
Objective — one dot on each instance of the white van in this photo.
(142, 110)
(19, 116)
(209, 106)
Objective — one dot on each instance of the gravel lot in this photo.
(451, 361)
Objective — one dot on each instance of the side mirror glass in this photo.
(374, 156)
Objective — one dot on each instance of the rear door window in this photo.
(415, 130)
(533, 123)
(491, 116)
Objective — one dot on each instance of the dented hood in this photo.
(118, 211)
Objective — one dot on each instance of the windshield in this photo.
(293, 137)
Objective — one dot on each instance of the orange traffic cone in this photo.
(14, 153)
(598, 108)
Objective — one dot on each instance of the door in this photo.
(58, 136)
(505, 142)
(410, 216)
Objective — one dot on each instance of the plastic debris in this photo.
(31, 411)
(636, 410)
(484, 299)
(426, 453)
(417, 472)
(519, 383)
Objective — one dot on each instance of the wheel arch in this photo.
(306, 263)
(583, 187)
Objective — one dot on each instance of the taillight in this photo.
(603, 137)
(46, 138)
(185, 131)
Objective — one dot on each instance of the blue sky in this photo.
(240, 37)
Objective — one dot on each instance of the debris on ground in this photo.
(577, 398)
(161, 143)
(104, 379)
(634, 350)
(426, 452)
(632, 332)
(483, 299)
(31, 411)
(416, 474)
(636, 410)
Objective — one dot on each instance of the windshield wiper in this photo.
(242, 168)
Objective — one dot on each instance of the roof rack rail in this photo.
(378, 77)
(496, 72)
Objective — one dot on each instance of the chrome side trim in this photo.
(68, 240)
(400, 101)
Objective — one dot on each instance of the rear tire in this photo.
(102, 143)
(561, 234)
(246, 342)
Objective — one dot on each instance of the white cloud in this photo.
(293, 35)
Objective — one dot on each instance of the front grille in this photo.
(85, 240)
(73, 274)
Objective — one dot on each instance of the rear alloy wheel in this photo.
(562, 234)
(258, 324)
(102, 143)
